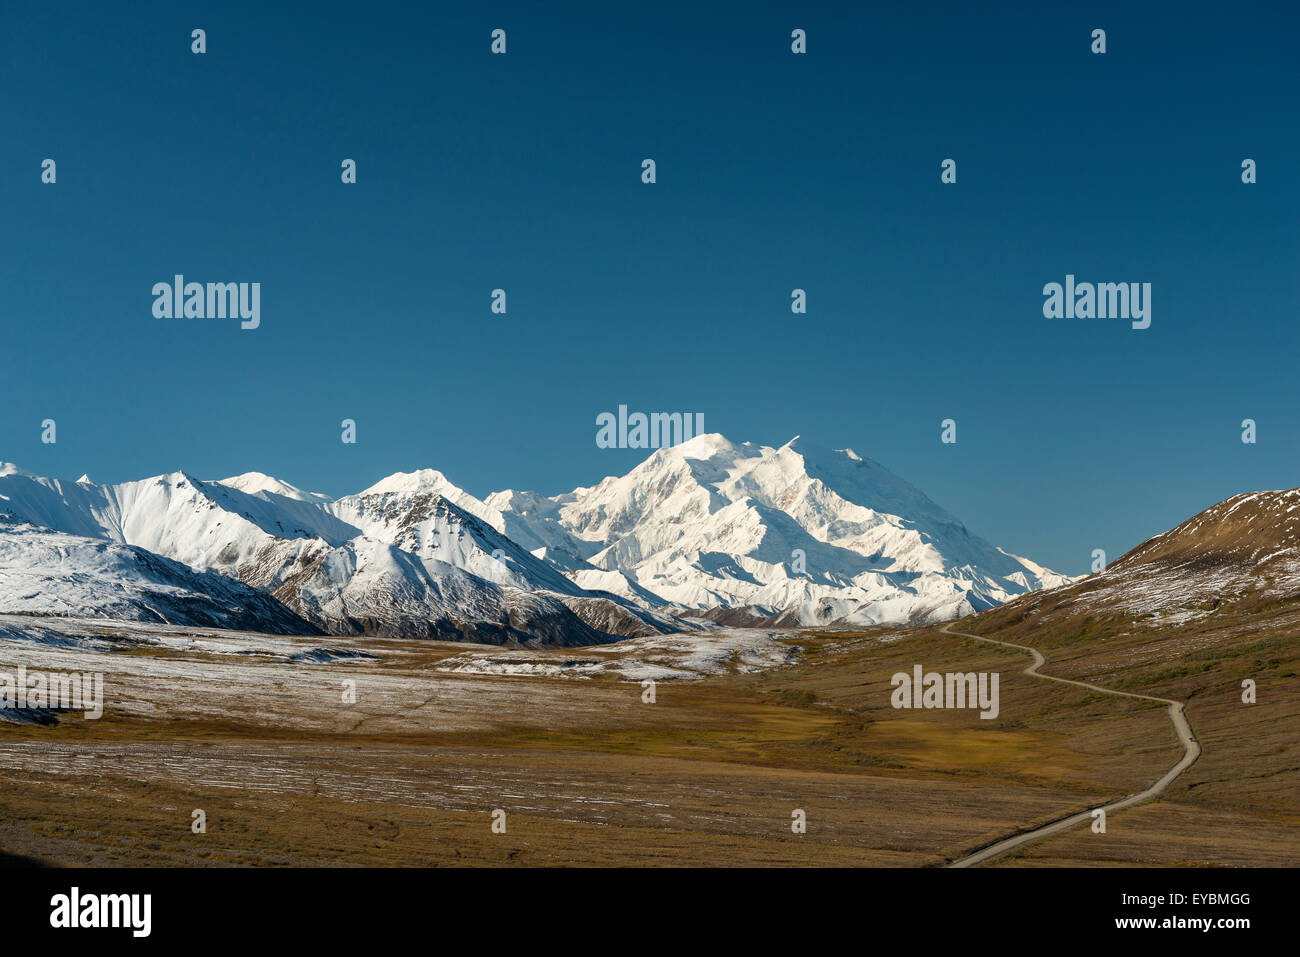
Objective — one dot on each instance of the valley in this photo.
(405, 704)
(252, 730)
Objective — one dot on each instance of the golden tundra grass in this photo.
(709, 775)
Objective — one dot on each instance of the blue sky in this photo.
(775, 171)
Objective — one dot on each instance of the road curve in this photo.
(1191, 751)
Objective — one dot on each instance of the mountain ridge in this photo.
(703, 530)
(715, 525)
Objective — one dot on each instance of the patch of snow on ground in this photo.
(658, 658)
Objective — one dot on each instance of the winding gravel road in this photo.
(1191, 751)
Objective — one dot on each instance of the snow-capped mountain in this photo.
(707, 529)
(413, 565)
(425, 515)
(799, 534)
(254, 482)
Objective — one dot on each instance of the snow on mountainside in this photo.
(799, 534)
(709, 529)
(1246, 544)
(369, 587)
(43, 572)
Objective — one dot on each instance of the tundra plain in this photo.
(748, 726)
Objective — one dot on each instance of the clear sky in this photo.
(775, 171)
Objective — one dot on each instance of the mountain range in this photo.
(701, 532)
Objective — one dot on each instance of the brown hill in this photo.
(1191, 615)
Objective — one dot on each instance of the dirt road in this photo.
(1191, 751)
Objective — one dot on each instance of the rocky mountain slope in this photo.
(43, 572)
